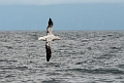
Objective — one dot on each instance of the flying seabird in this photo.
(48, 38)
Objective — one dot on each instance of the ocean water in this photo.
(81, 57)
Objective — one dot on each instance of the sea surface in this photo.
(81, 57)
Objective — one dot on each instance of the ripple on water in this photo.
(21, 68)
(55, 81)
(121, 66)
(9, 47)
(98, 71)
(6, 60)
(106, 56)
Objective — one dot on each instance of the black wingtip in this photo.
(48, 53)
(48, 58)
(50, 22)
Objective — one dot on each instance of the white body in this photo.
(49, 38)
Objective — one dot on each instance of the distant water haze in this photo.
(81, 57)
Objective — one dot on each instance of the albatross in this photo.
(48, 38)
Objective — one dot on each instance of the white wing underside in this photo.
(49, 38)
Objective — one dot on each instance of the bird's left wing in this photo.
(48, 50)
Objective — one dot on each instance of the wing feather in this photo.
(49, 28)
(48, 51)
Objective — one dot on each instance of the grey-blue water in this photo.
(81, 57)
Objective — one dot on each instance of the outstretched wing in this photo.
(48, 51)
(49, 27)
